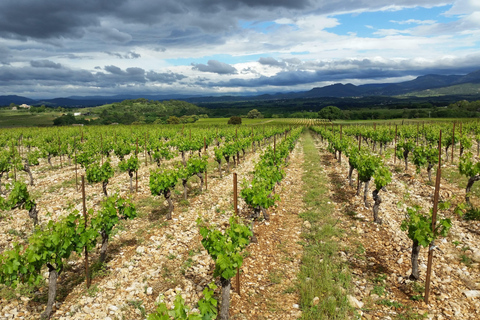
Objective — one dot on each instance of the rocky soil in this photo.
(379, 255)
(151, 259)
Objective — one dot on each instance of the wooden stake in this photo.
(434, 218)
(75, 158)
(395, 151)
(14, 165)
(87, 275)
(235, 195)
(136, 171)
(453, 140)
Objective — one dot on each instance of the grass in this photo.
(322, 274)
(11, 119)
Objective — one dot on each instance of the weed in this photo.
(472, 214)
(14, 232)
(320, 247)
(289, 290)
(390, 303)
(186, 265)
(466, 260)
(93, 290)
(137, 304)
(275, 276)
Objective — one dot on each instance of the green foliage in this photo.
(235, 120)
(19, 197)
(467, 167)
(207, 306)
(97, 173)
(382, 177)
(173, 120)
(113, 209)
(330, 113)
(419, 226)
(162, 181)
(404, 148)
(225, 248)
(367, 164)
(131, 165)
(254, 113)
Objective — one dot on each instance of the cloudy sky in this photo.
(59, 48)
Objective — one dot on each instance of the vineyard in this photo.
(282, 220)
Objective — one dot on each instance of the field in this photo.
(318, 254)
(9, 119)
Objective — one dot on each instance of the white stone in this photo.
(149, 290)
(354, 302)
(472, 293)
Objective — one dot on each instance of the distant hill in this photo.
(449, 85)
(6, 100)
(457, 90)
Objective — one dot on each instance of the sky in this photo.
(61, 48)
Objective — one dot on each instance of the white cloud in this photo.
(414, 21)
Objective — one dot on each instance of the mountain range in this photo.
(414, 87)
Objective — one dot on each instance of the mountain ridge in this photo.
(337, 90)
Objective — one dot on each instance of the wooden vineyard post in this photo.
(136, 171)
(395, 151)
(453, 140)
(235, 205)
(340, 153)
(274, 146)
(206, 179)
(87, 276)
(145, 149)
(75, 158)
(60, 151)
(434, 218)
(14, 166)
(460, 140)
(101, 147)
(205, 151)
(417, 133)
(359, 148)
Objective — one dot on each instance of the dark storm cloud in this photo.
(115, 70)
(45, 64)
(22, 19)
(168, 78)
(128, 55)
(269, 61)
(4, 55)
(14, 75)
(215, 67)
(362, 69)
(48, 76)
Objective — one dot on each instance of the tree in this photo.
(330, 113)
(173, 120)
(235, 120)
(254, 113)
